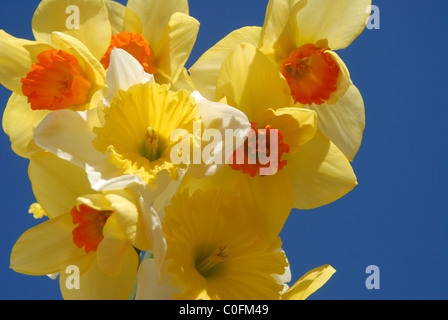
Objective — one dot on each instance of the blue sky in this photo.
(396, 218)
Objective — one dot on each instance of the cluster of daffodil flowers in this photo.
(94, 109)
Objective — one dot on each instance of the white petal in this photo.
(68, 135)
(153, 229)
(124, 71)
(166, 188)
(148, 286)
(221, 117)
(105, 176)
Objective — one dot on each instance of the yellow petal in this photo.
(343, 122)
(19, 122)
(320, 173)
(175, 45)
(111, 250)
(184, 82)
(226, 178)
(279, 33)
(48, 248)
(204, 72)
(339, 22)
(267, 200)
(252, 83)
(94, 284)
(56, 183)
(96, 201)
(122, 19)
(16, 58)
(155, 15)
(343, 82)
(297, 124)
(309, 283)
(125, 206)
(94, 27)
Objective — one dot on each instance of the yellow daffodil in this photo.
(45, 76)
(96, 232)
(159, 34)
(308, 170)
(128, 140)
(299, 37)
(214, 253)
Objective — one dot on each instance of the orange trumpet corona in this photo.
(135, 45)
(56, 82)
(259, 143)
(89, 232)
(311, 73)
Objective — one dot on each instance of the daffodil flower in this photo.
(159, 34)
(308, 170)
(127, 140)
(45, 76)
(97, 232)
(300, 36)
(214, 253)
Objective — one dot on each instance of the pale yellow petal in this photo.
(175, 45)
(16, 57)
(267, 201)
(122, 19)
(19, 122)
(279, 34)
(339, 22)
(48, 248)
(252, 83)
(226, 178)
(320, 173)
(94, 284)
(129, 218)
(343, 122)
(184, 82)
(111, 250)
(297, 124)
(343, 81)
(96, 201)
(94, 29)
(56, 183)
(155, 15)
(205, 70)
(309, 283)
